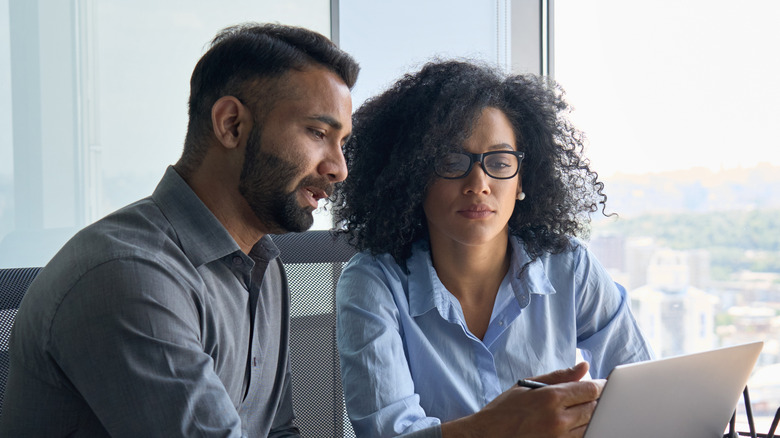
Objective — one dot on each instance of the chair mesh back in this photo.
(313, 261)
(13, 285)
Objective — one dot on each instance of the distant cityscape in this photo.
(696, 190)
(680, 306)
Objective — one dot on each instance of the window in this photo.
(678, 101)
(93, 95)
(94, 105)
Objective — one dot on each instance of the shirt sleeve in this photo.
(607, 332)
(431, 432)
(127, 336)
(378, 386)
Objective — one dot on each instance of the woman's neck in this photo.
(472, 273)
(471, 266)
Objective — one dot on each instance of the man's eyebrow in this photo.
(328, 120)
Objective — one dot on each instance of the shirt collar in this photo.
(531, 280)
(203, 238)
(426, 291)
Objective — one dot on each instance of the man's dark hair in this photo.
(398, 134)
(250, 57)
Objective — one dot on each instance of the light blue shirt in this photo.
(409, 362)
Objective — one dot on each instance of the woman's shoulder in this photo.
(367, 260)
(573, 247)
(366, 268)
(386, 261)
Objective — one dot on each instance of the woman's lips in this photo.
(476, 212)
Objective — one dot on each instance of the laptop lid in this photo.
(690, 396)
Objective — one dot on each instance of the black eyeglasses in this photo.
(496, 164)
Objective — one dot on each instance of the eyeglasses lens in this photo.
(500, 165)
(453, 165)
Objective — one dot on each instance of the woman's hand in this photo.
(562, 409)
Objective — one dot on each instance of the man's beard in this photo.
(264, 179)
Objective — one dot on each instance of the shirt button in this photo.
(524, 301)
(501, 323)
(237, 261)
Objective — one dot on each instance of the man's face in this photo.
(293, 155)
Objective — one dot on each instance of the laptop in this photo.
(691, 396)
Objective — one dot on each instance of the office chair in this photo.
(13, 285)
(313, 262)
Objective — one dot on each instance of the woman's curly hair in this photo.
(398, 135)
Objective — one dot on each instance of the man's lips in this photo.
(313, 195)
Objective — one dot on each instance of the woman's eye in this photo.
(499, 165)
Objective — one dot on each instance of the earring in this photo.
(521, 196)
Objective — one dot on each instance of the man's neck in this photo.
(219, 192)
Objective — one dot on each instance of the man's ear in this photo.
(230, 119)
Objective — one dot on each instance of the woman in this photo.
(466, 190)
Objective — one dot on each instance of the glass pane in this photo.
(388, 40)
(147, 50)
(93, 105)
(678, 101)
(6, 132)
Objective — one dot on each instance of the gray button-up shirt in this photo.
(152, 322)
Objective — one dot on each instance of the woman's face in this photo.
(475, 210)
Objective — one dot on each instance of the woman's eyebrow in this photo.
(500, 146)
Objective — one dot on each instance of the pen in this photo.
(530, 384)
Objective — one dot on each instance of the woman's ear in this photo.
(230, 119)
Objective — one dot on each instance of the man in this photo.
(170, 316)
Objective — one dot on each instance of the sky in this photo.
(670, 85)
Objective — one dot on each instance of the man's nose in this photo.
(334, 166)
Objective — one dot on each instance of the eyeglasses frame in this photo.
(479, 158)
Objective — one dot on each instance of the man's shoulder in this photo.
(126, 256)
(137, 229)
(138, 233)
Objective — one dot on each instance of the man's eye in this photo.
(318, 134)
